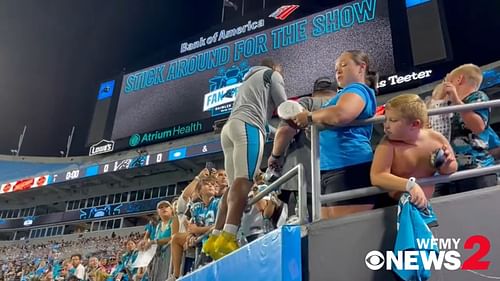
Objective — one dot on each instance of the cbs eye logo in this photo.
(374, 260)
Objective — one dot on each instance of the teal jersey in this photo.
(471, 149)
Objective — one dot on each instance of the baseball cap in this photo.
(163, 202)
(324, 83)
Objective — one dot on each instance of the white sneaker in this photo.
(171, 278)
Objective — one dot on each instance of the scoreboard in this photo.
(114, 166)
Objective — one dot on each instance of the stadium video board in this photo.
(183, 96)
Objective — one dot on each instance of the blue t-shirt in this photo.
(204, 215)
(412, 225)
(346, 146)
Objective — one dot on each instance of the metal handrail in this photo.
(373, 190)
(299, 171)
(317, 198)
(430, 112)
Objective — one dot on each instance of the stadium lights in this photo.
(228, 3)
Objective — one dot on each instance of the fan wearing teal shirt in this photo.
(345, 151)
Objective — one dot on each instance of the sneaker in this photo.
(225, 244)
(209, 247)
(171, 278)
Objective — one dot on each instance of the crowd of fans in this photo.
(177, 230)
(57, 260)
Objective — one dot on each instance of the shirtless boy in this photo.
(406, 152)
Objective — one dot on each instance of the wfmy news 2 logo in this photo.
(438, 254)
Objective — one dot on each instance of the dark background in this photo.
(54, 54)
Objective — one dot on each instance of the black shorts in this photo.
(347, 178)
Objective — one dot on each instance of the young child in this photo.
(406, 152)
(440, 123)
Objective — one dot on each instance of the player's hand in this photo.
(275, 162)
(418, 197)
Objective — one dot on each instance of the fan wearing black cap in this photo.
(289, 138)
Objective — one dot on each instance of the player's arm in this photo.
(282, 139)
(277, 89)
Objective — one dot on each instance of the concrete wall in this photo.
(337, 248)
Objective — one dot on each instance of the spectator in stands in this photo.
(95, 272)
(242, 141)
(252, 221)
(203, 215)
(161, 264)
(440, 123)
(179, 234)
(204, 212)
(187, 194)
(124, 270)
(67, 267)
(262, 216)
(105, 265)
(222, 183)
(407, 151)
(78, 268)
(462, 87)
(289, 140)
(345, 151)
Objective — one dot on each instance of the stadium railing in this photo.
(318, 198)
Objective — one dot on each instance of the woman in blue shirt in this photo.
(346, 152)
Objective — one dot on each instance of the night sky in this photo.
(55, 53)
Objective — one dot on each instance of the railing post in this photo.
(302, 195)
(315, 174)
